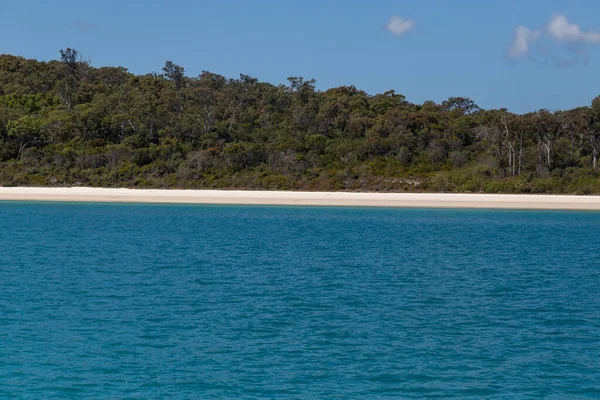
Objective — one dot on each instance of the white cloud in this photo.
(524, 38)
(560, 29)
(398, 26)
(559, 42)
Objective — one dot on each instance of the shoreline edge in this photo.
(274, 198)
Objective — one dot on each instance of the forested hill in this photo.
(65, 122)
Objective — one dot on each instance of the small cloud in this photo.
(398, 26)
(559, 43)
(524, 38)
(560, 29)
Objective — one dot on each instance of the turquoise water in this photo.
(137, 301)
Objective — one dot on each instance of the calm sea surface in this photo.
(138, 301)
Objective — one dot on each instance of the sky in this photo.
(523, 55)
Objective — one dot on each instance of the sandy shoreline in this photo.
(499, 201)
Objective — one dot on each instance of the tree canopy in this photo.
(65, 122)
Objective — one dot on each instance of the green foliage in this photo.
(66, 123)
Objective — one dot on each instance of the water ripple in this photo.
(134, 301)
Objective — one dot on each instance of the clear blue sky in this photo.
(454, 47)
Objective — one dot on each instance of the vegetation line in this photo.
(66, 123)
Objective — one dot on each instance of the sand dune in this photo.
(442, 200)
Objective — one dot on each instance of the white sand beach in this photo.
(435, 200)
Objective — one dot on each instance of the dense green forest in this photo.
(65, 123)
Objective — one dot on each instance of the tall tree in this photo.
(174, 73)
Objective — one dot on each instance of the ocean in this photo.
(125, 301)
